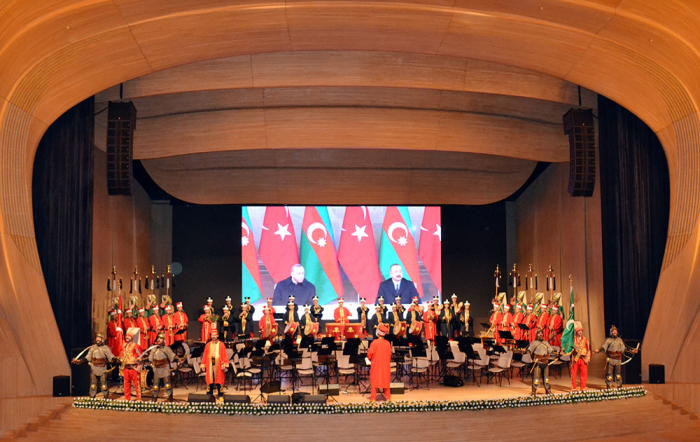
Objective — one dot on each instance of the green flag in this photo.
(567, 338)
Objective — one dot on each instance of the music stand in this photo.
(306, 342)
(521, 343)
(506, 335)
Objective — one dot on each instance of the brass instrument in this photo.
(364, 318)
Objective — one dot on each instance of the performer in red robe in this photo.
(379, 355)
(207, 324)
(519, 318)
(129, 355)
(143, 325)
(543, 321)
(156, 324)
(169, 326)
(129, 321)
(181, 322)
(430, 319)
(531, 322)
(580, 356)
(269, 305)
(556, 326)
(506, 323)
(267, 325)
(341, 316)
(115, 333)
(214, 361)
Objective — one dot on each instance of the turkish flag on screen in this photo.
(278, 243)
(430, 245)
(357, 252)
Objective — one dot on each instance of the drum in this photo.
(291, 328)
(273, 332)
(399, 329)
(416, 328)
(311, 329)
(149, 376)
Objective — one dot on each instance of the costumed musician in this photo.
(531, 322)
(267, 325)
(316, 310)
(129, 356)
(155, 324)
(270, 307)
(377, 319)
(208, 321)
(181, 322)
(456, 311)
(580, 356)
(466, 321)
(161, 357)
(556, 326)
(540, 351)
(430, 319)
(543, 320)
(143, 325)
(383, 307)
(379, 355)
(614, 347)
(210, 304)
(445, 319)
(362, 314)
(307, 321)
(115, 332)
(291, 320)
(342, 316)
(518, 318)
(506, 323)
(227, 324)
(97, 356)
(169, 325)
(214, 364)
(245, 321)
(129, 321)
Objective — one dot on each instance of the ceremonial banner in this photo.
(250, 271)
(318, 254)
(397, 246)
(567, 338)
(278, 243)
(357, 252)
(430, 244)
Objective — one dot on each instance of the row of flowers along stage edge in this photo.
(382, 407)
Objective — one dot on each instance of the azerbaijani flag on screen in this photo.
(318, 254)
(250, 271)
(397, 245)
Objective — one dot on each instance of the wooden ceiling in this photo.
(389, 110)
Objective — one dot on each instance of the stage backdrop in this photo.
(346, 251)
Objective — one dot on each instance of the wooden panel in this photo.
(366, 26)
(337, 176)
(341, 68)
(182, 134)
(224, 31)
(295, 128)
(524, 44)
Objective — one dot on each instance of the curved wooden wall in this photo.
(640, 53)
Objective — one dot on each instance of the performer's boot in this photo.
(105, 389)
(156, 387)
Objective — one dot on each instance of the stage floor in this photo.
(433, 391)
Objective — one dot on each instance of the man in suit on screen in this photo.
(397, 285)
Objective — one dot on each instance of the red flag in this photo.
(278, 243)
(357, 252)
(430, 244)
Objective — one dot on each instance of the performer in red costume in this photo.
(380, 371)
(506, 323)
(341, 316)
(181, 322)
(543, 321)
(129, 355)
(580, 357)
(556, 327)
(214, 361)
(531, 322)
(115, 333)
(156, 324)
(143, 325)
(269, 305)
(129, 321)
(267, 325)
(169, 326)
(495, 321)
(518, 318)
(430, 319)
(207, 323)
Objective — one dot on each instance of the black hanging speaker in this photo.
(194, 398)
(236, 399)
(61, 386)
(657, 374)
(578, 124)
(121, 123)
